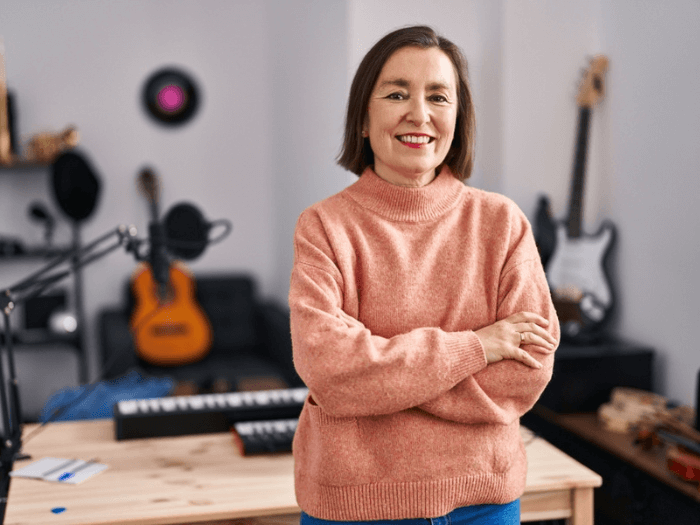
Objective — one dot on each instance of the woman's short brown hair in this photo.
(356, 153)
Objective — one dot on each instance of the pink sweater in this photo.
(405, 419)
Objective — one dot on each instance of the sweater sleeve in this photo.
(349, 371)
(505, 390)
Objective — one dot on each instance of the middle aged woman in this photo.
(420, 314)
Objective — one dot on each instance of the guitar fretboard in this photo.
(575, 218)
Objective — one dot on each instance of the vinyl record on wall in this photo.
(170, 96)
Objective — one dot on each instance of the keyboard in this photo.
(204, 413)
(256, 437)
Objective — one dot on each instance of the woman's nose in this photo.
(418, 111)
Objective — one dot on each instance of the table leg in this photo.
(581, 506)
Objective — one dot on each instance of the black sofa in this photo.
(251, 348)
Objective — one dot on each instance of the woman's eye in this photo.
(439, 98)
(396, 96)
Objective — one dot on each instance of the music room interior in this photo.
(161, 151)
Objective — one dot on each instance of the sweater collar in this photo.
(400, 203)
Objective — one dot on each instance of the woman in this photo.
(420, 314)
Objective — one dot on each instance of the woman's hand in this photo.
(502, 339)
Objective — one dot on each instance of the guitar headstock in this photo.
(592, 87)
(148, 184)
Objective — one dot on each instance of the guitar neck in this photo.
(575, 216)
(155, 210)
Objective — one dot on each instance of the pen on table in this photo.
(69, 474)
(60, 467)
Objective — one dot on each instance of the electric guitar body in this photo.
(578, 277)
(168, 331)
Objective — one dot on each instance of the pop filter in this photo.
(75, 185)
(187, 231)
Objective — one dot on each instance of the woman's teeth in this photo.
(424, 139)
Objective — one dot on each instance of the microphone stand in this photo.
(29, 288)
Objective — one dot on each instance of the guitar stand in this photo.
(29, 288)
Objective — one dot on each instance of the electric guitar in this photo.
(576, 270)
(168, 325)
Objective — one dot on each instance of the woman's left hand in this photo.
(502, 340)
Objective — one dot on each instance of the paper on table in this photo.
(71, 471)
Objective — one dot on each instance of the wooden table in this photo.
(204, 479)
(653, 462)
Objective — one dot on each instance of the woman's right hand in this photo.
(502, 339)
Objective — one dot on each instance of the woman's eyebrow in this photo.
(437, 86)
(399, 82)
(403, 83)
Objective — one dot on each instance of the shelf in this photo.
(23, 164)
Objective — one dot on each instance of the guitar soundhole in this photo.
(165, 330)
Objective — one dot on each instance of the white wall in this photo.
(275, 77)
(308, 106)
(643, 155)
(272, 76)
(653, 162)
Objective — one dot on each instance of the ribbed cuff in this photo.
(467, 352)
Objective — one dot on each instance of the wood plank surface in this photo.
(653, 462)
(204, 479)
(185, 479)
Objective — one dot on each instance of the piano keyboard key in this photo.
(254, 437)
(205, 413)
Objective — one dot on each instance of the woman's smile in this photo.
(414, 140)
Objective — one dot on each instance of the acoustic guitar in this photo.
(576, 269)
(168, 325)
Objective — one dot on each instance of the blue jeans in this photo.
(508, 514)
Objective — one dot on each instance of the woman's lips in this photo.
(414, 140)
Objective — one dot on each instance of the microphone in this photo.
(187, 231)
(39, 213)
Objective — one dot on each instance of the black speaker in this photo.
(584, 376)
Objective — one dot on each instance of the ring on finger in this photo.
(522, 337)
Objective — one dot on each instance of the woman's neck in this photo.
(406, 181)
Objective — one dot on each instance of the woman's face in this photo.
(411, 115)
